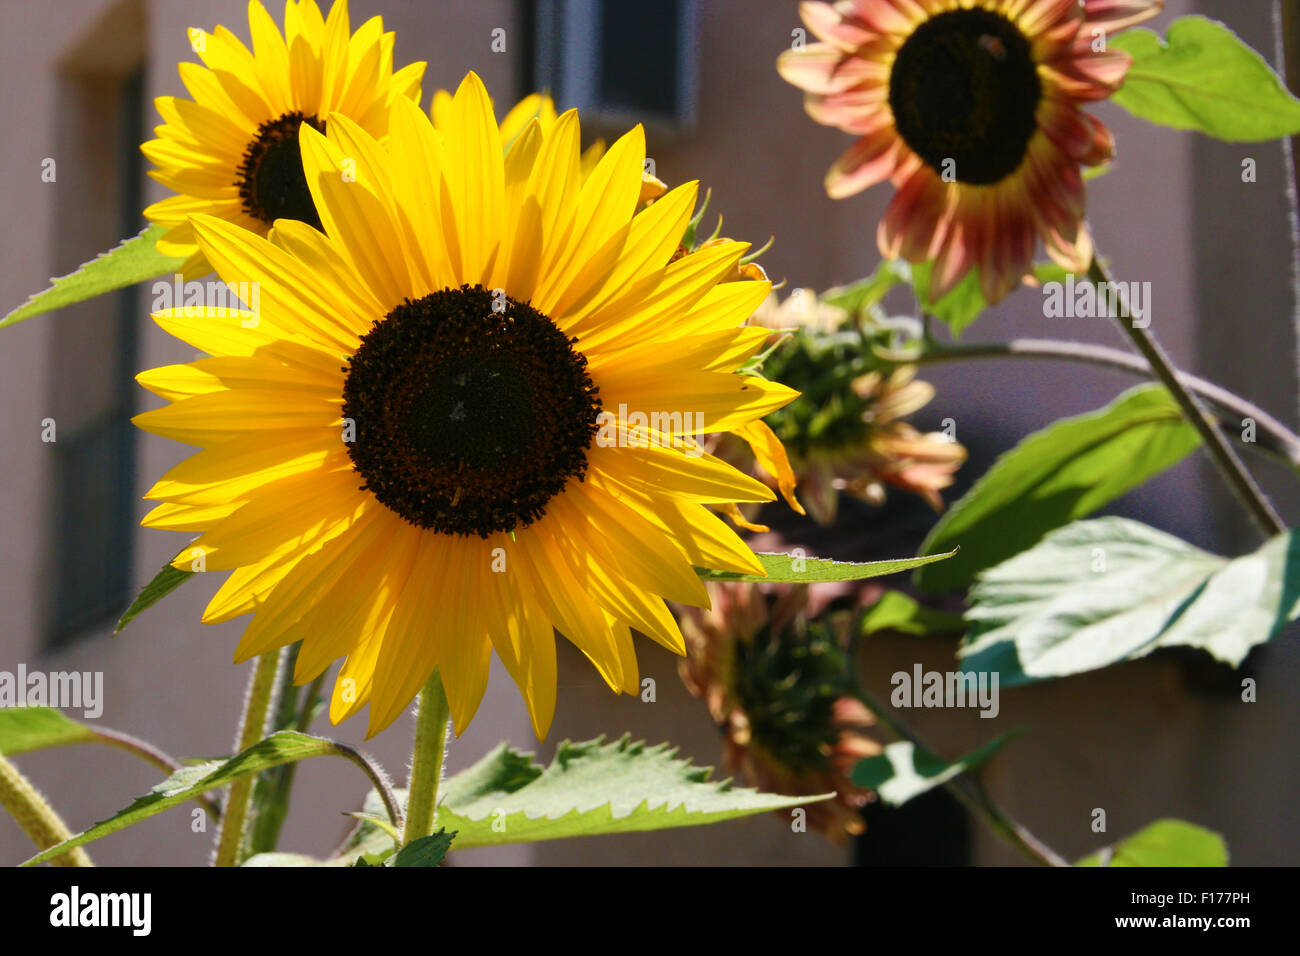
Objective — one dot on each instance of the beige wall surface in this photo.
(1146, 740)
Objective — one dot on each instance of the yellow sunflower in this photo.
(464, 415)
(232, 150)
(541, 107)
(973, 108)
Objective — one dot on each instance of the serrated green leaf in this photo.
(1064, 472)
(797, 568)
(905, 770)
(164, 583)
(426, 851)
(590, 789)
(1204, 78)
(132, 261)
(1164, 843)
(184, 784)
(25, 729)
(895, 611)
(1097, 592)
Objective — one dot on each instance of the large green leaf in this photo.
(790, 568)
(24, 729)
(904, 770)
(1097, 592)
(1204, 78)
(132, 261)
(895, 611)
(589, 789)
(1164, 843)
(164, 583)
(188, 782)
(1064, 472)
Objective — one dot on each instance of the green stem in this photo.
(36, 817)
(426, 761)
(968, 788)
(1230, 408)
(1234, 472)
(148, 752)
(252, 727)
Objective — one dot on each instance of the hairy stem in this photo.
(36, 817)
(252, 727)
(426, 761)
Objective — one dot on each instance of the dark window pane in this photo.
(92, 498)
(639, 55)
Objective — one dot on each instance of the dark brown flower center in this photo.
(471, 411)
(964, 91)
(271, 181)
(787, 682)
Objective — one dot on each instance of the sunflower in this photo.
(464, 415)
(973, 109)
(232, 150)
(541, 107)
(778, 684)
(846, 432)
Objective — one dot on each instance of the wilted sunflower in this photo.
(464, 415)
(780, 688)
(232, 150)
(973, 109)
(846, 432)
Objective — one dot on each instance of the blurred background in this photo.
(1165, 736)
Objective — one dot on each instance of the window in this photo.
(94, 352)
(618, 61)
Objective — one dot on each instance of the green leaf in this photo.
(905, 770)
(895, 611)
(24, 729)
(132, 261)
(1064, 472)
(856, 297)
(1097, 592)
(164, 583)
(1204, 78)
(589, 789)
(188, 782)
(795, 568)
(1164, 843)
(426, 851)
(959, 308)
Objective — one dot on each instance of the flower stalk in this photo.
(252, 727)
(36, 817)
(426, 761)
(1274, 437)
(1225, 459)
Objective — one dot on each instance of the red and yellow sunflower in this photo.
(973, 109)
